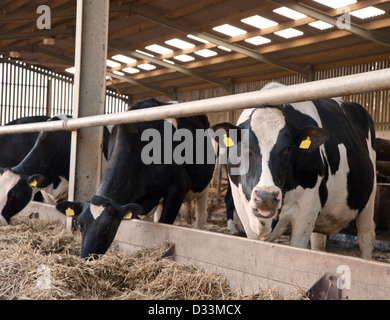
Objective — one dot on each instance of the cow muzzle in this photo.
(266, 201)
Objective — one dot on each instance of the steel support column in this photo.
(89, 95)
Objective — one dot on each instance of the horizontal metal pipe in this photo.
(346, 85)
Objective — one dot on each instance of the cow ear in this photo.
(70, 208)
(37, 180)
(130, 211)
(310, 138)
(226, 134)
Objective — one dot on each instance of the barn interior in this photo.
(192, 50)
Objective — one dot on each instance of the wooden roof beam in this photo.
(147, 14)
(55, 14)
(175, 67)
(141, 83)
(109, 73)
(35, 34)
(352, 28)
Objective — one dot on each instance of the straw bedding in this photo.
(39, 261)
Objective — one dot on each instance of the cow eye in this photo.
(106, 230)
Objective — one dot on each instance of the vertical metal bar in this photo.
(57, 96)
(39, 92)
(89, 95)
(7, 93)
(34, 104)
(70, 110)
(63, 106)
(65, 95)
(31, 95)
(27, 91)
(1, 92)
(12, 92)
(16, 93)
(48, 96)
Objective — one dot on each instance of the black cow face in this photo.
(271, 142)
(99, 219)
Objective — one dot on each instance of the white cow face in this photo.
(272, 143)
(15, 194)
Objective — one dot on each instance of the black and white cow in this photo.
(310, 166)
(14, 147)
(45, 168)
(129, 179)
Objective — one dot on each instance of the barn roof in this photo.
(196, 53)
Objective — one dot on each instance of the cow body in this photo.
(14, 147)
(311, 167)
(45, 168)
(129, 178)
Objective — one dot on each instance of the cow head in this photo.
(15, 194)
(99, 219)
(271, 143)
(17, 190)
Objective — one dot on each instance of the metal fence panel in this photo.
(29, 90)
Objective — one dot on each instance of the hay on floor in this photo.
(39, 261)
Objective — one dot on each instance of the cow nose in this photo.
(266, 196)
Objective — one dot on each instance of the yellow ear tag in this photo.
(34, 183)
(305, 144)
(128, 215)
(69, 212)
(227, 141)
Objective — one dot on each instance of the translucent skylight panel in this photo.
(224, 48)
(70, 70)
(320, 25)
(289, 33)
(168, 61)
(120, 73)
(191, 36)
(336, 3)
(368, 12)
(181, 44)
(258, 40)
(159, 49)
(229, 30)
(206, 53)
(145, 53)
(184, 58)
(289, 13)
(130, 70)
(146, 66)
(112, 64)
(124, 59)
(259, 22)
